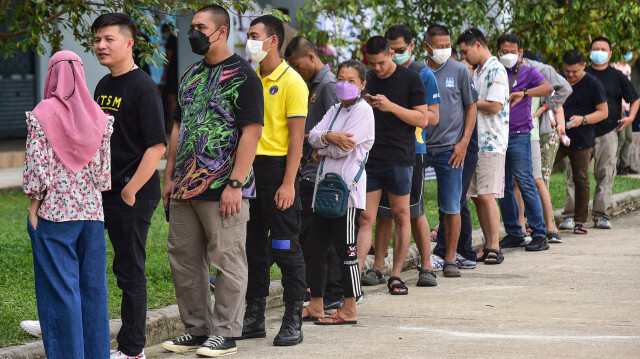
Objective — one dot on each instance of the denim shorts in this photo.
(416, 197)
(395, 179)
(449, 181)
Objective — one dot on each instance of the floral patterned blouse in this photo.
(66, 196)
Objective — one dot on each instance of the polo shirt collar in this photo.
(323, 71)
(278, 72)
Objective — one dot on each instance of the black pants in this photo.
(342, 234)
(466, 227)
(333, 288)
(128, 227)
(273, 234)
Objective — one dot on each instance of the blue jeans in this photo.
(466, 227)
(449, 181)
(518, 165)
(69, 262)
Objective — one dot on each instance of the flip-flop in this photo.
(337, 319)
(309, 318)
(579, 229)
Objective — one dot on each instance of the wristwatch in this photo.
(584, 121)
(525, 93)
(234, 183)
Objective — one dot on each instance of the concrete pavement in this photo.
(579, 299)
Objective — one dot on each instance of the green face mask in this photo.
(401, 58)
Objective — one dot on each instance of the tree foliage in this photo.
(28, 24)
(549, 27)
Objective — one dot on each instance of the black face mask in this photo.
(200, 42)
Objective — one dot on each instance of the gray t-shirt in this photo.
(322, 95)
(456, 91)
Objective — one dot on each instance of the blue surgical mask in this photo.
(599, 57)
(628, 56)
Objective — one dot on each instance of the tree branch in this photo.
(24, 31)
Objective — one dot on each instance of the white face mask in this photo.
(254, 50)
(440, 55)
(509, 60)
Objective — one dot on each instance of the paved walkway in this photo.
(579, 299)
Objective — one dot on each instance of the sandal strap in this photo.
(377, 272)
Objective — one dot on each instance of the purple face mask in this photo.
(346, 91)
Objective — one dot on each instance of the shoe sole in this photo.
(512, 245)
(536, 249)
(216, 353)
(178, 348)
(554, 240)
(252, 335)
(287, 343)
(427, 284)
(370, 284)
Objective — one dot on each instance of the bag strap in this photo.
(515, 75)
(357, 178)
(330, 126)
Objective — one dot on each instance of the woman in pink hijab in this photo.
(67, 165)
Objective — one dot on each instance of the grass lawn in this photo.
(17, 294)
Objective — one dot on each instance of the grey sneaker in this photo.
(426, 278)
(567, 224)
(602, 223)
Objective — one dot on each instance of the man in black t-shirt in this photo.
(586, 106)
(399, 106)
(137, 144)
(617, 87)
(218, 122)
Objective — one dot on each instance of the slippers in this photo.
(308, 318)
(579, 229)
(337, 319)
(400, 285)
(493, 256)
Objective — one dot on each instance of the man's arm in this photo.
(434, 114)
(543, 89)
(491, 107)
(460, 148)
(231, 198)
(601, 112)
(286, 193)
(633, 110)
(170, 167)
(148, 165)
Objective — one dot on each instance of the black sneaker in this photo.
(630, 171)
(512, 241)
(184, 343)
(538, 243)
(217, 346)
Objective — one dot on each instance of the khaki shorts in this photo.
(489, 175)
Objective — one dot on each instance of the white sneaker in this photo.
(436, 262)
(116, 354)
(567, 224)
(464, 263)
(32, 327)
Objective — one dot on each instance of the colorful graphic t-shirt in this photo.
(492, 85)
(214, 103)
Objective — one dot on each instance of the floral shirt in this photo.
(66, 196)
(492, 85)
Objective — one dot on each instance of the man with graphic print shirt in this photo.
(218, 122)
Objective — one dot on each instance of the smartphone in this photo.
(166, 209)
(568, 124)
(367, 96)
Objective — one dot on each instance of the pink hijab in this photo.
(71, 120)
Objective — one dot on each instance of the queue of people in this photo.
(293, 165)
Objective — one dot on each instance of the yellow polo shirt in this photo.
(285, 96)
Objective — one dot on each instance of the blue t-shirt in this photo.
(433, 96)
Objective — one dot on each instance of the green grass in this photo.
(17, 294)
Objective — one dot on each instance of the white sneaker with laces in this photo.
(32, 327)
(116, 354)
(464, 263)
(436, 262)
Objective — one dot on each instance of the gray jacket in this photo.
(561, 90)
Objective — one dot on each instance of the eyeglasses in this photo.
(401, 50)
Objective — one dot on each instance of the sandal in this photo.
(450, 269)
(493, 256)
(400, 285)
(336, 319)
(483, 256)
(434, 234)
(579, 229)
(372, 277)
(308, 317)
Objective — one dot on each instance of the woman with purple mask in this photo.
(342, 139)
